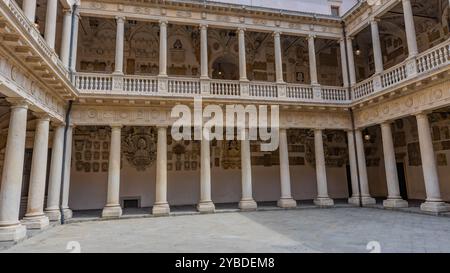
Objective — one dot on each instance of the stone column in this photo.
(247, 202)
(321, 173)
(204, 51)
(377, 55)
(65, 39)
(50, 22)
(161, 207)
(351, 61)
(286, 200)
(354, 199)
(312, 60)
(35, 217)
(434, 202)
(410, 29)
(242, 58)
(11, 186)
(278, 57)
(364, 181)
(120, 35)
(67, 168)
(54, 180)
(394, 200)
(29, 9)
(343, 62)
(112, 208)
(163, 48)
(205, 205)
(73, 62)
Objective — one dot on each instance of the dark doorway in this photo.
(349, 181)
(402, 180)
(130, 203)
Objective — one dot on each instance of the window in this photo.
(335, 10)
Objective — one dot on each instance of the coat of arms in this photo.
(139, 146)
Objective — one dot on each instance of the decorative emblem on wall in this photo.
(139, 146)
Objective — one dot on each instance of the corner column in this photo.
(394, 200)
(242, 57)
(29, 9)
(354, 199)
(205, 205)
(351, 61)
(65, 40)
(434, 202)
(11, 186)
(365, 195)
(343, 62)
(286, 200)
(112, 208)
(119, 45)
(35, 217)
(247, 202)
(322, 199)
(54, 181)
(161, 207)
(67, 168)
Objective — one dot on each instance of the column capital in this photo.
(162, 127)
(116, 126)
(120, 19)
(67, 11)
(421, 114)
(241, 29)
(42, 116)
(386, 122)
(203, 26)
(277, 33)
(311, 36)
(19, 102)
(163, 22)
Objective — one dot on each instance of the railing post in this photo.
(163, 85)
(205, 86)
(411, 67)
(317, 92)
(282, 90)
(117, 83)
(376, 81)
(245, 88)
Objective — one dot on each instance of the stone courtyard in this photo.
(341, 229)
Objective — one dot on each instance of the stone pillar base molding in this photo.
(206, 207)
(247, 205)
(367, 200)
(114, 211)
(161, 209)
(53, 214)
(287, 203)
(395, 203)
(36, 222)
(67, 213)
(13, 233)
(354, 200)
(324, 202)
(435, 207)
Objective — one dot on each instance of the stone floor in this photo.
(341, 229)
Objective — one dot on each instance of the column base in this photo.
(395, 203)
(435, 207)
(324, 202)
(68, 214)
(287, 203)
(354, 200)
(367, 200)
(206, 207)
(53, 214)
(161, 209)
(247, 205)
(36, 222)
(13, 233)
(112, 212)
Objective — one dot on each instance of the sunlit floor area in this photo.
(307, 230)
